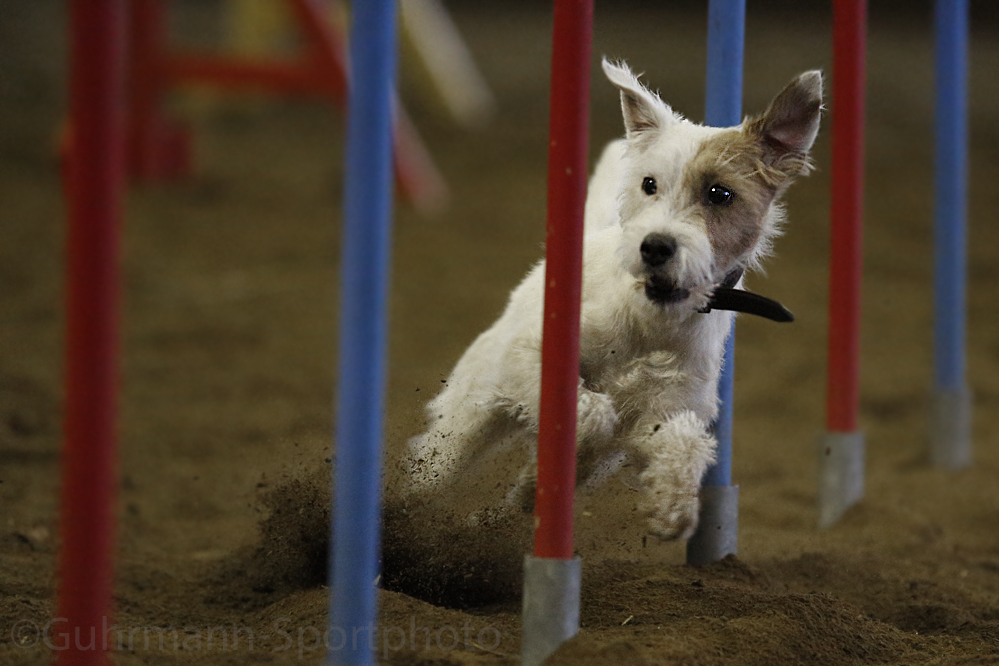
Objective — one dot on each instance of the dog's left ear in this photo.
(790, 124)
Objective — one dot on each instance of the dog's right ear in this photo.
(643, 111)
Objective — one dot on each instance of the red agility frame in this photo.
(157, 149)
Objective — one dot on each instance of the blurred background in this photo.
(231, 280)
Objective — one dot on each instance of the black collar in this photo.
(727, 297)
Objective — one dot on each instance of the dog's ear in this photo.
(643, 111)
(791, 122)
(788, 128)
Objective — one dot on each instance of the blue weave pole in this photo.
(363, 333)
(951, 437)
(717, 533)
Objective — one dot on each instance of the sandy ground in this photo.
(229, 341)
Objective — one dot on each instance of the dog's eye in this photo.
(649, 185)
(719, 195)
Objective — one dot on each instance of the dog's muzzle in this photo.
(663, 290)
(657, 249)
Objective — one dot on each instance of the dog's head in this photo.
(700, 203)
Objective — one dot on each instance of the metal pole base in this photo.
(717, 532)
(841, 474)
(950, 447)
(551, 606)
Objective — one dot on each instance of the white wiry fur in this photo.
(649, 361)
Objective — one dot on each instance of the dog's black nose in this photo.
(657, 249)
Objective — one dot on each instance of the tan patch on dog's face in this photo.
(733, 161)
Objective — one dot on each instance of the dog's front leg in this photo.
(674, 453)
(666, 439)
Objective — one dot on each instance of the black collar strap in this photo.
(732, 278)
(727, 297)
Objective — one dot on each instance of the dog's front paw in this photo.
(596, 416)
(677, 453)
(671, 515)
(671, 512)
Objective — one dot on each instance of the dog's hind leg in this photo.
(459, 425)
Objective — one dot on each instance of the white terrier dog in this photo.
(675, 213)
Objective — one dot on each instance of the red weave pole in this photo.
(849, 50)
(95, 184)
(569, 125)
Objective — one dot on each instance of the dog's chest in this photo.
(634, 363)
(605, 359)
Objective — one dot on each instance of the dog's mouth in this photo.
(663, 290)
